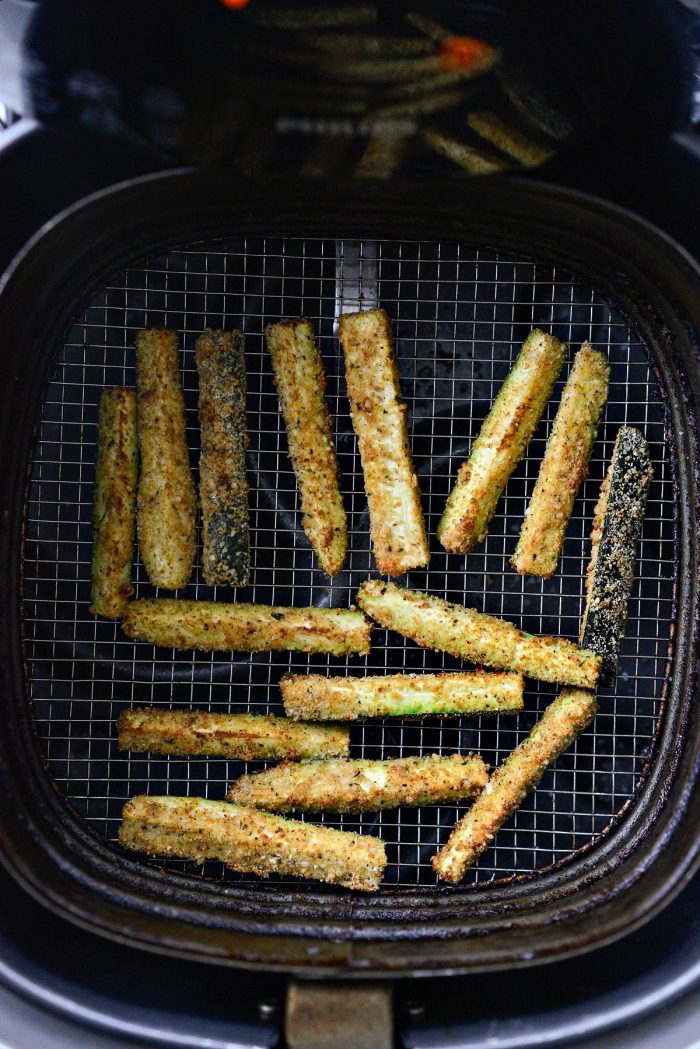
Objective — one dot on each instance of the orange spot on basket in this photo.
(465, 52)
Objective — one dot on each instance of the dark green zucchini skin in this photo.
(616, 530)
(223, 486)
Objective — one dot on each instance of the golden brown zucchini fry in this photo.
(223, 485)
(362, 786)
(508, 139)
(301, 380)
(251, 841)
(166, 500)
(365, 45)
(475, 636)
(561, 723)
(114, 504)
(474, 160)
(501, 443)
(379, 420)
(217, 626)
(564, 466)
(617, 525)
(310, 16)
(245, 737)
(319, 698)
(383, 154)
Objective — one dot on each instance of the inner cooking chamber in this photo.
(460, 315)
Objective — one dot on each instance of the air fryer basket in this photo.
(463, 285)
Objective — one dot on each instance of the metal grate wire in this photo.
(460, 315)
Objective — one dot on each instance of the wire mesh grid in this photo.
(460, 315)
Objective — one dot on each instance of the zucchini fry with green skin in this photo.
(244, 737)
(215, 626)
(617, 525)
(501, 444)
(223, 485)
(167, 502)
(563, 720)
(564, 466)
(524, 95)
(301, 380)
(475, 636)
(379, 420)
(315, 697)
(114, 503)
(508, 139)
(362, 786)
(251, 841)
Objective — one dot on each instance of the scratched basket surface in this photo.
(460, 315)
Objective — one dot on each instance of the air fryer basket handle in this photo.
(338, 1016)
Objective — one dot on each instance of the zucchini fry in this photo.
(244, 737)
(308, 17)
(251, 841)
(501, 444)
(379, 420)
(223, 486)
(524, 95)
(564, 466)
(114, 504)
(508, 139)
(166, 498)
(318, 698)
(617, 525)
(480, 638)
(213, 626)
(301, 380)
(365, 45)
(382, 155)
(474, 160)
(563, 720)
(361, 786)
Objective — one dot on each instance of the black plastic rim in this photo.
(627, 877)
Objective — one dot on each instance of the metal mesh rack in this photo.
(460, 315)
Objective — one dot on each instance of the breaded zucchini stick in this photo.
(245, 737)
(379, 419)
(223, 485)
(564, 466)
(501, 443)
(345, 785)
(251, 841)
(114, 503)
(382, 155)
(508, 139)
(166, 499)
(216, 626)
(472, 635)
(617, 525)
(301, 380)
(474, 160)
(318, 698)
(563, 720)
